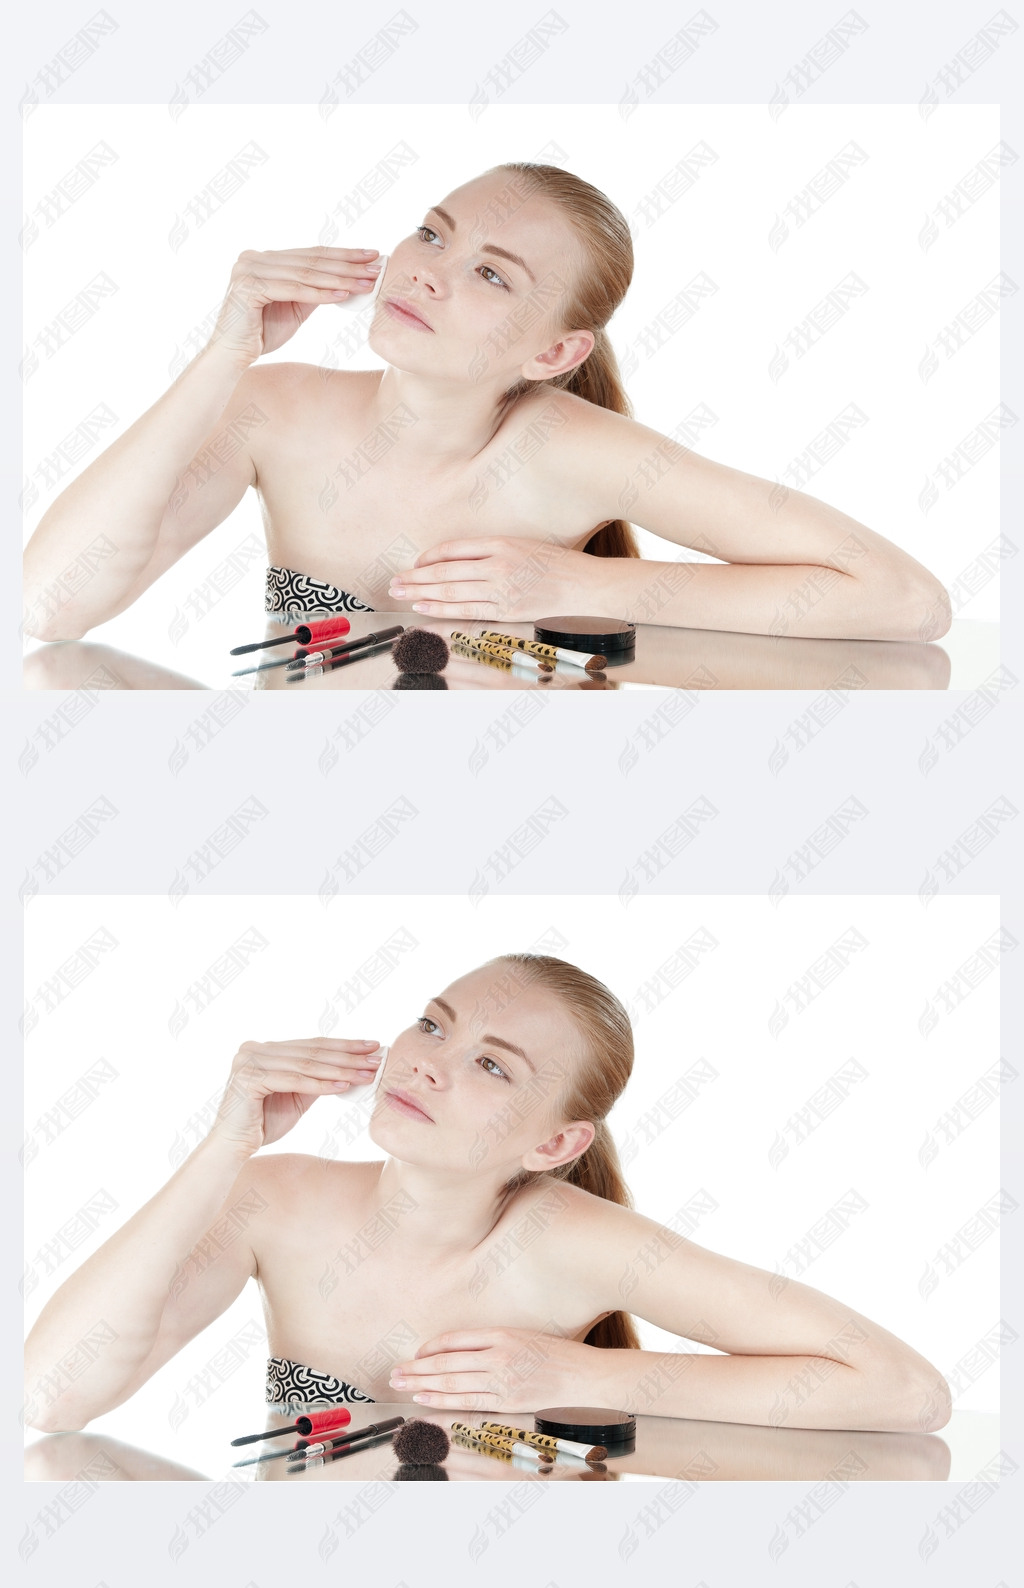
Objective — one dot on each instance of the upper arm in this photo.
(214, 1273)
(631, 471)
(648, 1269)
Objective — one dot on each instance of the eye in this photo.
(424, 1021)
(497, 1067)
(493, 276)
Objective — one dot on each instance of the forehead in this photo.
(503, 209)
(501, 1000)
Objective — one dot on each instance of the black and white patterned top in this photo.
(289, 592)
(290, 1383)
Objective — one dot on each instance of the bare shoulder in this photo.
(290, 1176)
(596, 447)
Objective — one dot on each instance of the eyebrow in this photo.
(496, 1042)
(485, 248)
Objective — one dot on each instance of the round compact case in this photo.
(612, 638)
(593, 1425)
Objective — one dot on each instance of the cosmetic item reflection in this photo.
(313, 657)
(358, 1439)
(566, 1447)
(553, 653)
(332, 666)
(511, 662)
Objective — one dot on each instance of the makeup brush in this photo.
(324, 629)
(334, 1418)
(317, 668)
(353, 1440)
(421, 651)
(310, 658)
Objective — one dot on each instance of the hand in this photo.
(508, 1370)
(272, 1084)
(271, 294)
(498, 578)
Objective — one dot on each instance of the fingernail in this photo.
(398, 1381)
(372, 1060)
(377, 265)
(397, 590)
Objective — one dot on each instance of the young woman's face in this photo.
(485, 314)
(486, 1062)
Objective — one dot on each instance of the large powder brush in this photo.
(420, 1443)
(420, 651)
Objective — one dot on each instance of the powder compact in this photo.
(590, 1425)
(612, 638)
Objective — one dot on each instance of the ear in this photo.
(569, 1143)
(560, 356)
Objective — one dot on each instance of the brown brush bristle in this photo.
(420, 1443)
(420, 651)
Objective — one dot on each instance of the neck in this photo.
(438, 1214)
(449, 422)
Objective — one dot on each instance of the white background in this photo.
(736, 1013)
(137, 222)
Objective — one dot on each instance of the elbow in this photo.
(929, 610)
(917, 1398)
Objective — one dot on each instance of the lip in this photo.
(406, 1104)
(406, 313)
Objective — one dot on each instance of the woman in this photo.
(483, 1264)
(482, 474)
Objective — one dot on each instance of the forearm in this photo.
(101, 532)
(775, 1391)
(884, 599)
(116, 1299)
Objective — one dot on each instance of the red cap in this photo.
(334, 1419)
(327, 629)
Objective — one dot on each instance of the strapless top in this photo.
(291, 1383)
(289, 592)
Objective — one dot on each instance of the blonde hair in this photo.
(608, 1040)
(589, 304)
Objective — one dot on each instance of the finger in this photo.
(445, 550)
(295, 1081)
(459, 1340)
(324, 1044)
(440, 572)
(468, 1400)
(303, 269)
